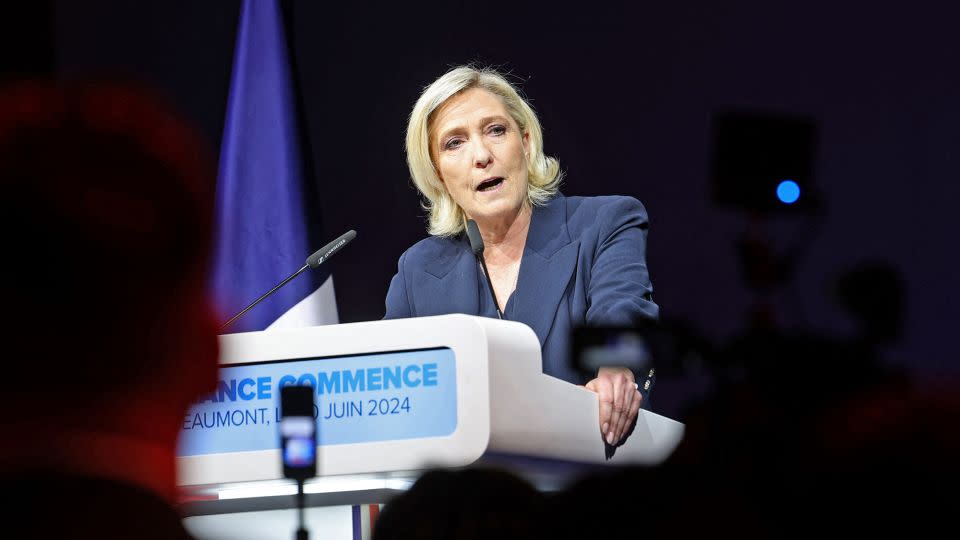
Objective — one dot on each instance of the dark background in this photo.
(626, 92)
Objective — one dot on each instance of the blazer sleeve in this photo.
(398, 302)
(620, 291)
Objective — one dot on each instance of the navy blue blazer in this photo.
(584, 263)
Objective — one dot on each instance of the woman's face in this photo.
(481, 155)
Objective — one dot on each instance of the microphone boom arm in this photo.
(313, 261)
(268, 293)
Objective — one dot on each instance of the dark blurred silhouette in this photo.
(874, 294)
(668, 501)
(108, 334)
(819, 429)
(469, 504)
(802, 433)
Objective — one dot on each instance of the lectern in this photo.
(393, 397)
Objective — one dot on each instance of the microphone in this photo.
(328, 250)
(316, 259)
(476, 244)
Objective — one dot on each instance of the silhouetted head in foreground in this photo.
(108, 335)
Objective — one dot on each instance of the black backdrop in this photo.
(626, 92)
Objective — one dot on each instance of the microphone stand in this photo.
(302, 533)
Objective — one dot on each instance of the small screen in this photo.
(298, 432)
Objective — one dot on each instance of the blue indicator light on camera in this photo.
(788, 191)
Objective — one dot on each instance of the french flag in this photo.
(265, 225)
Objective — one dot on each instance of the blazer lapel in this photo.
(450, 282)
(549, 260)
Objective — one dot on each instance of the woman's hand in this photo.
(619, 401)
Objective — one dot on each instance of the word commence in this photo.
(332, 382)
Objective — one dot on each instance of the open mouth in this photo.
(491, 184)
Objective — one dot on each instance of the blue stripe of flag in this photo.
(262, 229)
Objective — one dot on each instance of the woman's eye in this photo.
(498, 129)
(452, 144)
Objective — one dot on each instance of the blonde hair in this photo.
(543, 172)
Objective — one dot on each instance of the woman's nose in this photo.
(481, 155)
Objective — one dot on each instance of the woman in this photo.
(475, 151)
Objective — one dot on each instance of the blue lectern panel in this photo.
(359, 398)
